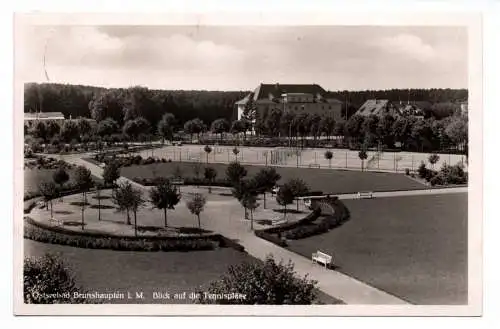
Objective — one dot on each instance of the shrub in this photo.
(407, 171)
(270, 237)
(94, 240)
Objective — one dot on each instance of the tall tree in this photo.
(196, 205)
(84, 181)
(235, 172)
(70, 131)
(60, 176)
(164, 196)
(220, 126)
(166, 127)
(284, 197)
(298, 187)
(362, 156)
(207, 150)
(210, 175)
(49, 192)
(111, 173)
(329, 156)
(266, 179)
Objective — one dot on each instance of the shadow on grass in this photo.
(79, 203)
(150, 228)
(264, 221)
(103, 206)
(191, 230)
(225, 194)
(289, 211)
(102, 197)
(73, 223)
(63, 212)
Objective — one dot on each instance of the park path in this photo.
(225, 217)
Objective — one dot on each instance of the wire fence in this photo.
(303, 158)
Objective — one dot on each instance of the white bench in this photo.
(57, 221)
(365, 195)
(321, 257)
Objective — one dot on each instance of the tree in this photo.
(242, 189)
(84, 181)
(272, 122)
(197, 170)
(84, 127)
(52, 128)
(267, 283)
(39, 130)
(60, 176)
(210, 175)
(327, 125)
(284, 197)
(207, 150)
(266, 179)
(164, 196)
(238, 126)
(196, 205)
(194, 126)
(314, 125)
(49, 192)
(111, 173)
(298, 187)
(107, 127)
(220, 126)
(166, 127)
(48, 280)
(235, 172)
(433, 159)
(236, 151)
(98, 188)
(362, 156)
(354, 128)
(128, 199)
(70, 131)
(329, 156)
(249, 201)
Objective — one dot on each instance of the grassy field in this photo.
(33, 177)
(147, 272)
(414, 247)
(328, 181)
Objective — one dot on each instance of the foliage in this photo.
(91, 240)
(166, 126)
(268, 283)
(164, 196)
(235, 172)
(127, 198)
(83, 178)
(298, 187)
(210, 174)
(433, 159)
(60, 176)
(111, 173)
(48, 280)
(285, 196)
(196, 205)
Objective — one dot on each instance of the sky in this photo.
(242, 57)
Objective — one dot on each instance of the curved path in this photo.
(333, 283)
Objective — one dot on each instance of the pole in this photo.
(412, 163)
(346, 159)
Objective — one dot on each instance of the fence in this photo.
(302, 158)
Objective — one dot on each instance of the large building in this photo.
(310, 98)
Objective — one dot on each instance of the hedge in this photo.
(307, 226)
(94, 240)
(222, 182)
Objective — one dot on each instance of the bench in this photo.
(314, 165)
(365, 195)
(57, 221)
(321, 257)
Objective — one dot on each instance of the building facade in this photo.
(310, 98)
(31, 118)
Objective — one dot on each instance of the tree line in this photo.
(123, 104)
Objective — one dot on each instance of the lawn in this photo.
(125, 271)
(33, 177)
(414, 247)
(328, 181)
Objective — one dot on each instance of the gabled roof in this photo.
(244, 100)
(378, 107)
(44, 116)
(263, 90)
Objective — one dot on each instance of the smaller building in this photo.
(378, 107)
(31, 118)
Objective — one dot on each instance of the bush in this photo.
(407, 171)
(270, 237)
(93, 240)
